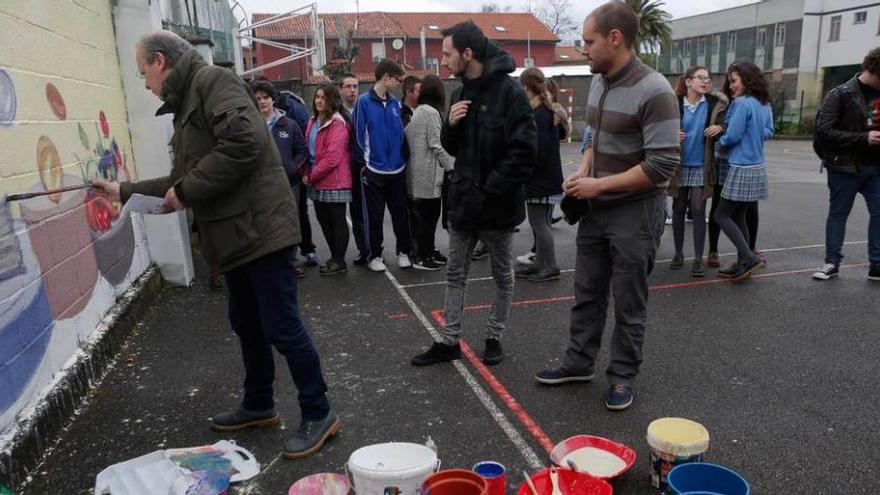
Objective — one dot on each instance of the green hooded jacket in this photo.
(226, 167)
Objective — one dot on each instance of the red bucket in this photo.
(455, 482)
(570, 483)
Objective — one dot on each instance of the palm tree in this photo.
(654, 30)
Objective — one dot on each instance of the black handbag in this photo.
(573, 209)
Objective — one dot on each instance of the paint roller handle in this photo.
(21, 197)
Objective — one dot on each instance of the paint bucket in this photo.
(495, 476)
(700, 477)
(455, 482)
(396, 467)
(671, 442)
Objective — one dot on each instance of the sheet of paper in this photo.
(148, 205)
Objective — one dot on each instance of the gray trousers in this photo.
(461, 246)
(616, 246)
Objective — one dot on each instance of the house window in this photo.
(432, 64)
(433, 27)
(716, 44)
(378, 49)
(701, 46)
(500, 29)
(687, 48)
(731, 41)
(676, 51)
(861, 17)
(762, 37)
(564, 57)
(779, 38)
(834, 34)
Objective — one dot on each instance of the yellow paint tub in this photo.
(674, 441)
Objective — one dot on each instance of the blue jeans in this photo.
(843, 188)
(264, 312)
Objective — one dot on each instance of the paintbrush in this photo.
(19, 197)
(529, 483)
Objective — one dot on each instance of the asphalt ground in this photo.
(781, 369)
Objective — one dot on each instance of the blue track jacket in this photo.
(379, 132)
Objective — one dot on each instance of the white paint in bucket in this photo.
(397, 467)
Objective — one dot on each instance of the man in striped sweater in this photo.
(633, 151)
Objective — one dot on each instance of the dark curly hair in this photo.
(753, 81)
(872, 62)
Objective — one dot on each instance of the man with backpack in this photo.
(847, 139)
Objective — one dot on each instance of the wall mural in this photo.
(65, 256)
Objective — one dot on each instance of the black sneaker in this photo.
(559, 376)
(746, 270)
(439, 258)
(427, 264)
(697, 269)
(544, 275)
(677, 262)
(492, 354)
(333, 267)
(311, 436)
(524, 271)
(729, 271)
(874, 273)
(438, 353)
(480, 252)
(827, 272)
(362, 260)
(241, 418)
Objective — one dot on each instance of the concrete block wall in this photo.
(68, 256)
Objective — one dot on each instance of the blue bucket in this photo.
(705, 478)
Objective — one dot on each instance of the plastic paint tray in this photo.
(571, 444)
(570, 483)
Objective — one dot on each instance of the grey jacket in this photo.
(427, 159)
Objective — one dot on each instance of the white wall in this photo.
(855, 39)
(747, 16)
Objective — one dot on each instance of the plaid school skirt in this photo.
(330, 195)
(690, 177)
(721, 168)
(746, 184)
(553, 199)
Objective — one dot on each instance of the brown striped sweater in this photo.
(633, 115)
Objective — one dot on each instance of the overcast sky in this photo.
(678, 8)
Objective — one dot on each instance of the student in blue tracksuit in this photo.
(748, 124)
(379, 133)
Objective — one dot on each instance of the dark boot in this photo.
(311, 436)
(438, 353)
(242, 418)
(492, 354)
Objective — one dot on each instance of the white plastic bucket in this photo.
(396, 468)
(672, 442)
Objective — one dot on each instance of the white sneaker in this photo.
(526, 259)
(828, 271)
(376, 264)
(403, 260)
(668, 220)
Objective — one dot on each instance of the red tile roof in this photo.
(392, 24)
(569, 55)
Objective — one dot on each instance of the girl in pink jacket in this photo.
(329, 174)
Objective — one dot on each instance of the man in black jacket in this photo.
(848, 141)
(491, 133)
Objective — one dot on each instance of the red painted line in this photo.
(501, 391)
(397, 316)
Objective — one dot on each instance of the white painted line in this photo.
(519, 442)
(570, 270)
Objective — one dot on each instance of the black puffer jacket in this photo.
(841, 138)
(494, 147)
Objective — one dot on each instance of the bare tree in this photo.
(490, 7)
(555, 15)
